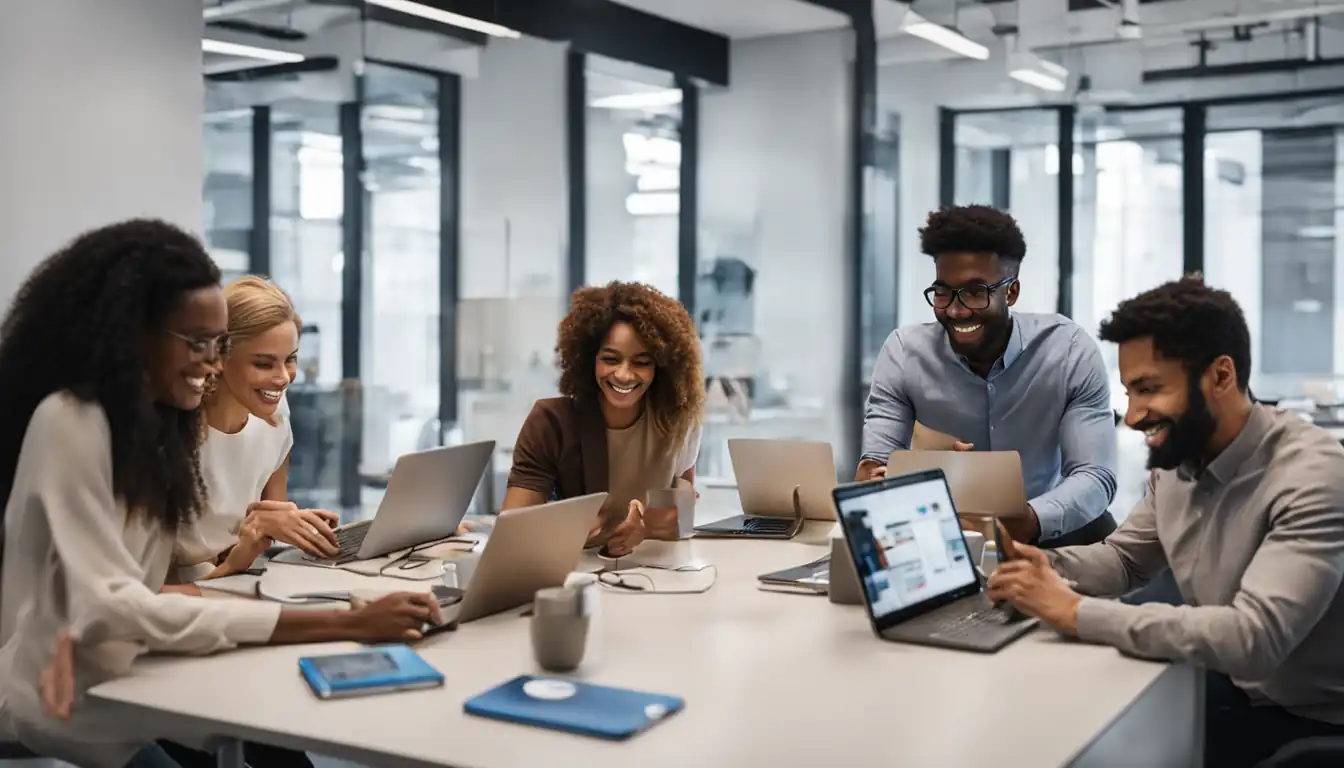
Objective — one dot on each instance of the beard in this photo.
(994, 333)
(1187, 435)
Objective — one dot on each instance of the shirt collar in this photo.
(1225, 465)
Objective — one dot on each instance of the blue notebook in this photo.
(376, 670)
(564, 705)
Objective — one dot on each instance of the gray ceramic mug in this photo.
(559, 629)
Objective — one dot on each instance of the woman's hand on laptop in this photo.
(631, 532)
(400, 616)
(311, 530)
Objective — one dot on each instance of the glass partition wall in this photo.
(633, 174)
(1247, 190)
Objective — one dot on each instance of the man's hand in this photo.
(58, 679)
(1036, 589)
(630, 533)
(957, 445)
(311, 530)
(870, 470)
(1026, 528)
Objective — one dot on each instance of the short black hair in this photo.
(1188, 321)
(973, 229)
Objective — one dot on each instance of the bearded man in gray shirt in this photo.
(1246, 507)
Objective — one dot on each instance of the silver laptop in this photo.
(918, 581)
(427, 495)
(529, 548)
(780, 484)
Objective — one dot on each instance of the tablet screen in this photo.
(355, 666)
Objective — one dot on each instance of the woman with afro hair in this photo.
(628, 418)
(104, 357)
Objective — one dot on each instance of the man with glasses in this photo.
(996, 380)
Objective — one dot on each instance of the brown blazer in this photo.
(561, 450)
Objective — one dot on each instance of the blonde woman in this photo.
(245, 455)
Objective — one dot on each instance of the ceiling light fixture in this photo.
(668, 97)
(249, 51)
(1037, 79)
(949, 38)
(447, 17)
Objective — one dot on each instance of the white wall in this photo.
(774, 149)
(101, 121)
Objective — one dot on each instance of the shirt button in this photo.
(991, 387)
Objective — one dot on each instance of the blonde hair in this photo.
(256, 305)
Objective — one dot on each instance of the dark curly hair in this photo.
(676, 398)
(1188, 321)
(973, 229)
(78, 324)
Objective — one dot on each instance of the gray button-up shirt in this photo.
(1256, 543)
(1047, 398)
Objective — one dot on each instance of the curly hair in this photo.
(973, 229)
(676, 398)
(1187, 321)
(78, 325)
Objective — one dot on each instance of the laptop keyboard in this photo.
(766, 525)
(965, 626)
(350, 539)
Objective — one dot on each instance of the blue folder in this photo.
(589, 710)
(376, 670)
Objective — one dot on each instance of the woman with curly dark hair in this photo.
(103, 360)
(628, 419)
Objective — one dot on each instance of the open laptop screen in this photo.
(907, 544)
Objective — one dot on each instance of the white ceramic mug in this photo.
(681, 498)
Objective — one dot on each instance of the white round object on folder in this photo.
(549, 689)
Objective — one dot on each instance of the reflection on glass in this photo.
(1127, 214)
(1010, 160)
(1128, 229)
(513, 273)
(400, 352)
(879, 283)
(306, 260)
(228, 189)
(633, 175)
(1273, 196)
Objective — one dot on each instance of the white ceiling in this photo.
(739, 19)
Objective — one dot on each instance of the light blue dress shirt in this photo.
(1047, 398)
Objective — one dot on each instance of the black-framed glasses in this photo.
(974, 296)
(204, 348)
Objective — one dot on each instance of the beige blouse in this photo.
(74, 559)
(638, 461)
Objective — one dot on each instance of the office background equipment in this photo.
(581, 708)
(385, 669)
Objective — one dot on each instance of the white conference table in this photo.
(769, 679)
